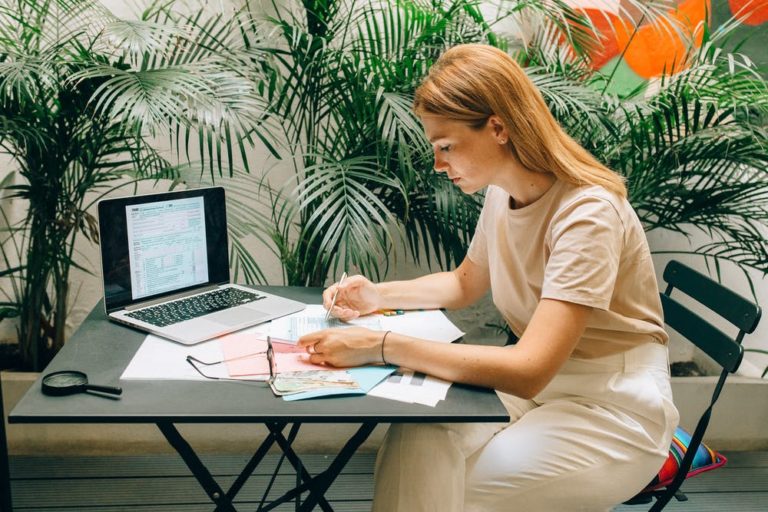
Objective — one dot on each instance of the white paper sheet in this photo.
(413, 388)
(430, 325)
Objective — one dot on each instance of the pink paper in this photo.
(246, 355)
(287, 348)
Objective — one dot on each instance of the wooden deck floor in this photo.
(162, 483)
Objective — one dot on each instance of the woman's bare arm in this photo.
(522, 370)
(358, 296)
(452, 290)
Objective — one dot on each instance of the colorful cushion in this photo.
(706, 459)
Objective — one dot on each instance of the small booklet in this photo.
(366, 378)
(289, 383)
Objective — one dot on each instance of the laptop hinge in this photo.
(167, 298)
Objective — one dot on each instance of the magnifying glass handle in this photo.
(105, 389)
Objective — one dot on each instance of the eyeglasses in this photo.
(194, 362)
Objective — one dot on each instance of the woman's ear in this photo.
(498, 129)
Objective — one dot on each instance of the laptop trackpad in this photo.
(236, 316)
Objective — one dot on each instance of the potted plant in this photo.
(83, 97)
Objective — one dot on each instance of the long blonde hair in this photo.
(471, 82)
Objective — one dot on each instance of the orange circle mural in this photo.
(662, 47)
(652, 49)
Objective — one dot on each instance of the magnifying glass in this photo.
(70, 381)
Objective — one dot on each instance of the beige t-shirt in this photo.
(577, 244)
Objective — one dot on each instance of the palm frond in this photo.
(346, 210)
(24, 77)
(41, 28)
(690, 162)
(140, 38)
(440, 222)
(16, 135)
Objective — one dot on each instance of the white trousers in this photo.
(593, 438)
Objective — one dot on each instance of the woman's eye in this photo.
(445, 148)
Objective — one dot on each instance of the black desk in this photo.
(103, 349)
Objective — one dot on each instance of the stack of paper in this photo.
(242, 356)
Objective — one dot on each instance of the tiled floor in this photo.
(161, 483)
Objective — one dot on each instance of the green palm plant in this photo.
(83, 95)
(340, 79)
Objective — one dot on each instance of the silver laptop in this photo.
(165, 267)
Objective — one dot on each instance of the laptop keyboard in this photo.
(194, 307)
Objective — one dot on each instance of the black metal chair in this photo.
(725, 350)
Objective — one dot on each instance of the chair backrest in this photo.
(734, 308)
(724, 349)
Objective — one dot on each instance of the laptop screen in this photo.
(157, 245)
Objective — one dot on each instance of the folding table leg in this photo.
(327, 477)
(318, 485)
(290, 495)
(276, 430)
(253, 463)
(215, 493)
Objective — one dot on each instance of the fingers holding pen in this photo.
(332, 294)
(328, 294)
(339, 299)
(355, 296)
(344, 314)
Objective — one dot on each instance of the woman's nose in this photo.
(440, 164)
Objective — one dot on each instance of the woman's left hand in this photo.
(344, 347)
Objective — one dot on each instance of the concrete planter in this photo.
(740, 416)
(738, 423)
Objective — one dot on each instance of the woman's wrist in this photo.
(381, 303)
(390, 296)
(383, 344)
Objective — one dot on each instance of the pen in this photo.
(335, 294)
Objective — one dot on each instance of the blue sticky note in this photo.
(367, 377)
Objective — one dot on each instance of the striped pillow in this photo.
(706, 459)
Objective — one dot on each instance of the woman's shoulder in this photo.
(577, 195)
(594, 201)
(590, 193)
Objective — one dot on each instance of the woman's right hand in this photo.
(357, 296)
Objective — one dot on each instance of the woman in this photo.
(565, 257)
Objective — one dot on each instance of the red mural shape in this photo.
(756, 11)
(607, 47)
